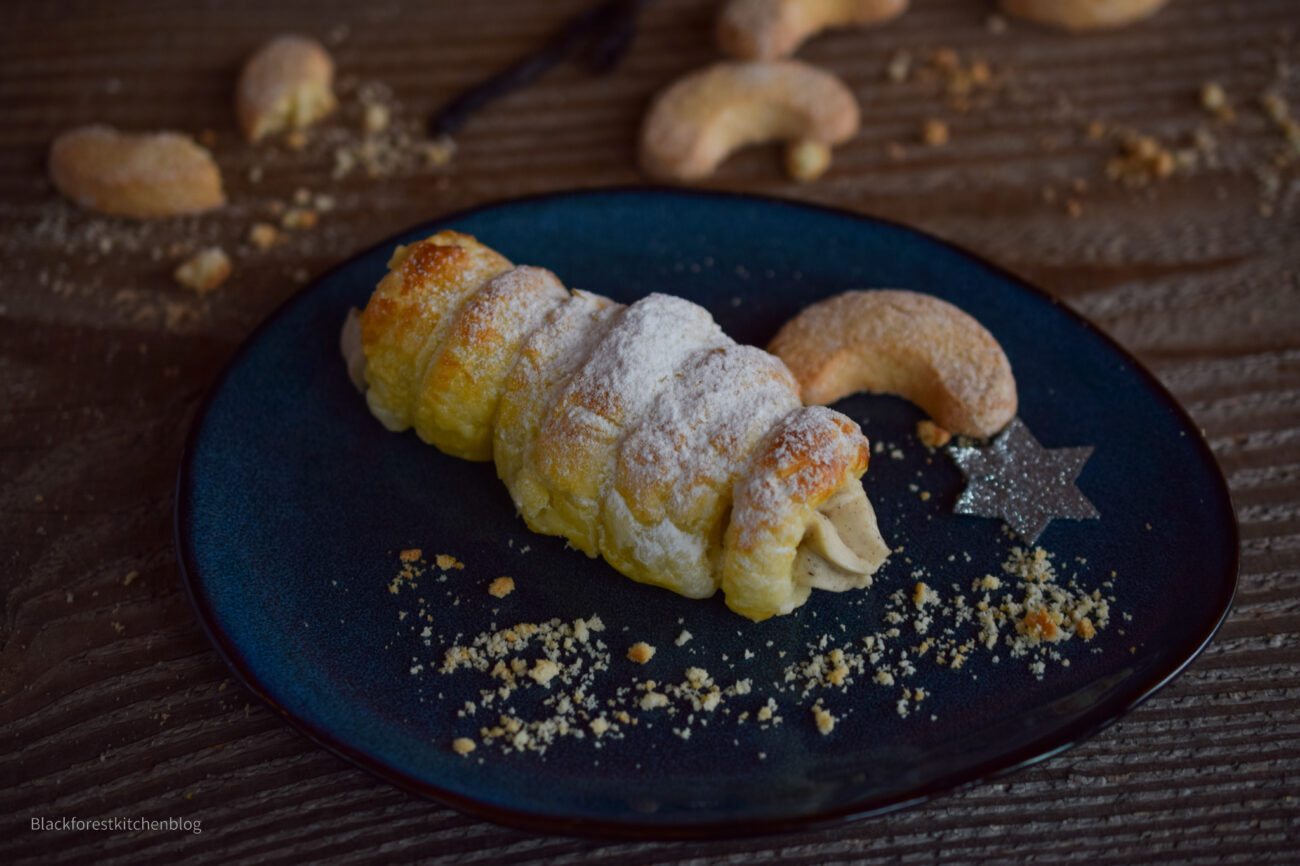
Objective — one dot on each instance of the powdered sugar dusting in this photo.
(651, 340)
(509, 307)
(697, 437)
(615, 386)
(548, 359)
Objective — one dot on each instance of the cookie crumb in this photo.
(543, 671)
(683, 638)
(204, 271)
(410, 555)
(263, 235)
(1141, 160)
(825, 721)
(1215, 100)
(653, 700)
(899, 68)
(934, 133)
(931, 434)
(447, 562)
(641, 652)
(501, 587)
(463, 745)
(376, 117)
(440, 151)
(298, 218)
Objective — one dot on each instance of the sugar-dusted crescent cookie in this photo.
(696, 123)
(1083, 15)
(906, 343)
(146, 175)
(769, 29)
(287, 84)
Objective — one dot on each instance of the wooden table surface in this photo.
(112, 702)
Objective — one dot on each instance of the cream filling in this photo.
(350, 347)
(842, 546)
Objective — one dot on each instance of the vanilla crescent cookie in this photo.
(696, 123)
(906, 343)
(144, 175)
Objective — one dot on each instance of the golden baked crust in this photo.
(408, 315)
(465, 381)
(155, 174)
(808, 456)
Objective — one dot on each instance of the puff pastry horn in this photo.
(640, 433)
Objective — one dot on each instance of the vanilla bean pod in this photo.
(608, 27)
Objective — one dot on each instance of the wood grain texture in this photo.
(112, 702)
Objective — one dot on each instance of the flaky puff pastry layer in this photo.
(808, 456)
(405, 324)
(640, 433)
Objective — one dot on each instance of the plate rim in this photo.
(1039, 749)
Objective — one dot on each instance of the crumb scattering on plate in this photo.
(533, 684)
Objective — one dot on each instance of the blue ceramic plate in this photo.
(294, 503)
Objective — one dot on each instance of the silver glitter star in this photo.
(1022, 482)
